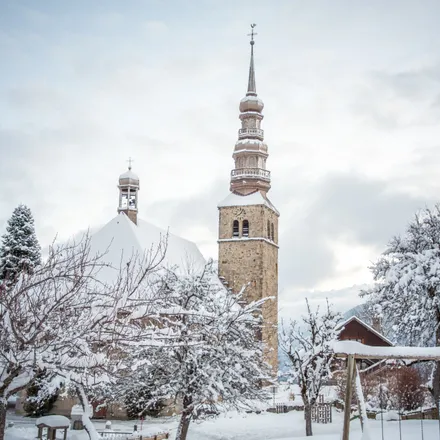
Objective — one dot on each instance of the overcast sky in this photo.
(352, 120)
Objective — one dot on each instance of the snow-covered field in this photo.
(264, 426)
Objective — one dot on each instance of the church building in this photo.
(248, 234)
(248, 221)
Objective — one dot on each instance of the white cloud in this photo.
(157, 28)
(351, 120)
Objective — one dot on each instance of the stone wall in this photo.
(132, 215)
(253, 261)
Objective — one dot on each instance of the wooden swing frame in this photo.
(361, 351)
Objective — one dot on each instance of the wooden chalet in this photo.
(354, 329)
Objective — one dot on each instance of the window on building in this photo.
(235, 229)
(268, 229)
(272, 232)
(245, 228)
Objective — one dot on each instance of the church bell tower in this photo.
(248, 221)
(128, 194)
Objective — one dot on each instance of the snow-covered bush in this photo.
(39, 398)
(397, 388)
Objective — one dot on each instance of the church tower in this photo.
(128, 194)
(248, 222)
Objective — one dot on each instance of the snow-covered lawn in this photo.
(265, 426)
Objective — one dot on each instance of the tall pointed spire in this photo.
(250, 152)
(252, 88)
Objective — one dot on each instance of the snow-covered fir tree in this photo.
(308, 347)
(406, 292)
(207, 357)
(20, 250)
(39, 401)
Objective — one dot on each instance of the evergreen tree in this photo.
(40, 398)
(139, 402)
(406, 292)
(20, 249)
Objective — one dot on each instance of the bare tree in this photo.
(70, 315)
(308, 349)
(206, 356)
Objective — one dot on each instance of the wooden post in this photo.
(361, 415)
(348, 392)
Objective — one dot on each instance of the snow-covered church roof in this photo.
(120, 239)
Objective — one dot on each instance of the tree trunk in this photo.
(87, 415)
(182, 429)
(3, 406)
(308, 416)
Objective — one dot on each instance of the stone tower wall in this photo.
(132, 214)
(253, 261)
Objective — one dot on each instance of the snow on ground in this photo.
(265, 426)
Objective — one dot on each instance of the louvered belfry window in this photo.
(235, 229)
(245, 228)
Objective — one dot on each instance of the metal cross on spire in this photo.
(252, 34)
(130, 161)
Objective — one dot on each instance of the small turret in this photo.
(128, 193)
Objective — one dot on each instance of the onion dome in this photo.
(129, 178)
(251, 103)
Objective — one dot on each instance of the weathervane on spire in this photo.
(252, 34)
(130, 161)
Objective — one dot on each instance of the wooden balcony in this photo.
(250, 132)
(254, 173)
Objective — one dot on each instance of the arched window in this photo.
(235, 229)
(273, 232)
(245, 228)
(268, 229)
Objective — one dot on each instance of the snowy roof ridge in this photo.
(120, 239)
(254, 198)
(368, 327)
(132, 226)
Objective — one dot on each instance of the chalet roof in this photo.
(368, 327)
